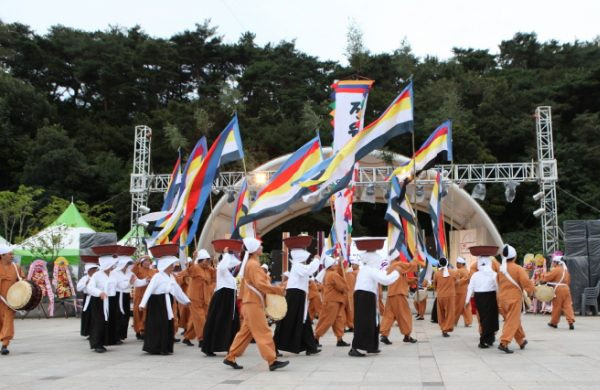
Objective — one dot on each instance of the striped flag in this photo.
(173, 191)
(397, 119)
(241, 208)
(279, 193)
(437, 217)
(202, 184)
(437, 147)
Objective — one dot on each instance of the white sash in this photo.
(523, 309)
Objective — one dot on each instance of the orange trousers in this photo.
(512, 323)
(349, 312)
(562, 304)
(315, 306)
(7, 324)
(254, 327)
(445, 311)
(396, 308)
(139, 316)
(462, 309)
(332, 315)
(195, 325)
(420, 307)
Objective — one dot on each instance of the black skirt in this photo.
(97, 322)
(111, 336)
(86, 319)
(292, 333)
(487, 307)
(158, 331)
(124, 318)
(222, 322)
(434, 312)
(366, 329)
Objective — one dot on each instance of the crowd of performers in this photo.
(221, 305)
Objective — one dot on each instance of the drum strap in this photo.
(262, 300)
(510, 279)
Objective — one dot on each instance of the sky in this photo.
(431, 27)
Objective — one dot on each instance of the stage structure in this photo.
(543, 171)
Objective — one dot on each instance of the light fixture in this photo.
(479, 191)
(510, 190)
(538, 196)
(144, 210)
(260, 178)
(230, 196)
(539, 212)
(371, 189)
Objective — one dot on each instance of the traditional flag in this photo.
(191, 170)
(279, 193)
(173, 191)
(397, 119)
(202, 185)
(438, 147)
(437, 217)
(242, 205)
(395, 235)
(329, 244)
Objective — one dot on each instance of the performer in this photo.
(125, 280)
(158, 336)
(334, 297)
(199, 293)
(350, 276)
(10, 273)
(559, 278)
(100, 288)
(315, 303)
(512, 281)
(421, 306)
(396, 305)
(294, 332)
(89, 270)
(461, 291)
(142, 270)
(484, 285)
(444, 281)
(254, 325)
(223, 319)
(366, 291)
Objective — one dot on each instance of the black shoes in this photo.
(210, 354)
(552, 325)
(278, 354)
(278, 364)
(4, 351)
(349, 330)
(421, 318)
(118, 342)
(445, 334)
(571, 326)
(342, 343)
(483, 346)
(97, 349)
(408, 339)
(188, 342)
(231, 364)
(522, 346)
(313, 352)
(504, 348)
(385, 340)
(375, 351)
(355, 353)
(139, 336)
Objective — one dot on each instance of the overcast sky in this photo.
(320, 26)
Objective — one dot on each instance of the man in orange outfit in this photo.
(444, 281)
(334, 298)
(421, 306)
(350, 277)
(559, 278)
(512, 281)
(315, 303)
(198, 290)
(10, 273)
(255, 324)
(141, 270)
(461, 292)
(396, 305)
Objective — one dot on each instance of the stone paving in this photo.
(50, 354)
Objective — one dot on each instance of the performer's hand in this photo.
(226, 250)
(103, 296)
(132, 279)
(142, 258)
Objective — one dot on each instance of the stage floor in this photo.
(50, 354)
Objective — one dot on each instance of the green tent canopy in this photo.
(136, 233)
(66, 228)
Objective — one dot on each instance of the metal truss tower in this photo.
(139, 184)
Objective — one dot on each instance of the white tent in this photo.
(3, 241)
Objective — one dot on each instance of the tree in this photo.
(17, 212)
(100, 216)
(49, 244)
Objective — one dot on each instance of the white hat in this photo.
(265, 267)
(122, 261)
(252, 245)
(202, 255)
(107, 261)
(89, 266)
(443, 262)
(559, 259)
(508, 252)
(371, 259)
(299, 255)
(286, 274)
(4, 249)
(328, 261)
(165, 261)
(460, 260)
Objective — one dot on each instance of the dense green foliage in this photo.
(69, 101)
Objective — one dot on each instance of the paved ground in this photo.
(50, 354)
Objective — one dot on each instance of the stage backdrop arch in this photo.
(460, 210)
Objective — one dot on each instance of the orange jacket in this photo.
(445, 287)
(507, 291)
(334, 286)
(400, 286)
(255, 276)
